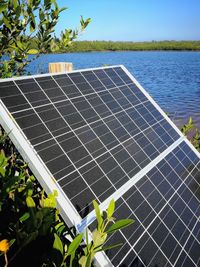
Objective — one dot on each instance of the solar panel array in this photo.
(98, 132)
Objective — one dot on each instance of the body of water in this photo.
(171, 78)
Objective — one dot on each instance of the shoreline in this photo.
(116, 51)
(128, 46)
(111, 46)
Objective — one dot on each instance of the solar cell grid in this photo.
(100, 135)
(161, 231)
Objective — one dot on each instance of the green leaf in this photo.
(98, 214)
(84, 23)
(109, 247)
(188, 126)
(57, 244)
(41, 14)
(15, 4)
(111, 209)
(7, 23)
(47, 4)
(20, 44)
(72, 259)
(86, 237)
(83, 261)
(60, 228)
(119, 225)
(49, 201)
(89, 260)
(3, 7)
(32, 26)
(33, 51)
(75, 244)
(98, 238)
(12, 241)
(190, 121)
(30, 202)
(3, 163)
(62, 9)
(18, 11)
(24, 217)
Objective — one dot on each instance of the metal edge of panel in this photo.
(150, 98)
(56, 73)
(35, 163)
(43, 175)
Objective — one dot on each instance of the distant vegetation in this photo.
(88, 46)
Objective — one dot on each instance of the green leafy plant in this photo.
(106, 225)
(26, 212)
(186, 128)
(79, 253)
(67, 36)
(32, 225)
(192, 132)
(27, 28)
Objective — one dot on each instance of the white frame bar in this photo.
(160, 110)
(57, 73)
(124, 188)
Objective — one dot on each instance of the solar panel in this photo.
(96, 134)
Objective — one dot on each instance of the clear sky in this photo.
(134, 20)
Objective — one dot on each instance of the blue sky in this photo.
(134, 20)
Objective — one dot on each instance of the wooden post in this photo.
(60, 67)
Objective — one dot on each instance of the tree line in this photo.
(89, 46)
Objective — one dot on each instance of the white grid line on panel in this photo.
(99, 155)
(157, 216)
(175, 191)
(182, 183)
(101, 119)
(91, 217)
(183, 247)
(78, 127)
(67, 97)
(61, 191)
(112, 169)
(130, 118)
(53, 136)
(115, 154)
(155, 211)
(159, 109)
(147, 97)
(81, 140)
(59, 143)
(35, 163)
